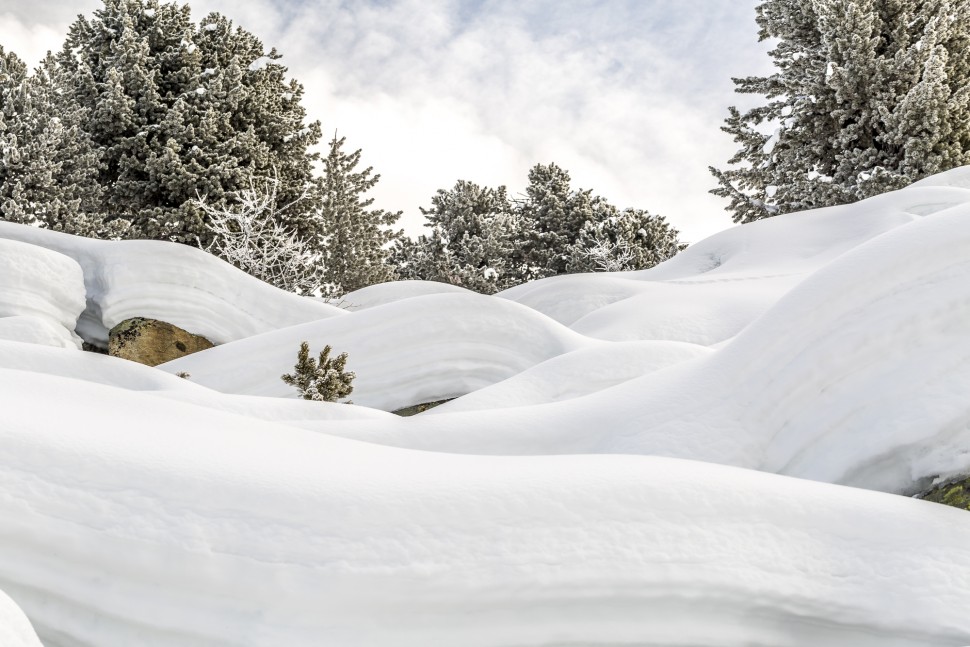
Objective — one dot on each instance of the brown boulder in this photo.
(152, 342)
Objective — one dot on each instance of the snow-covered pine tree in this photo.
(868, 96)
(474, 240)
(179, 108)
(48, 175)
(323, 379)
(631, 239)
(355, 237)
(552, 215)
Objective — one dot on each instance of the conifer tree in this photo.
(867, 96)
(482, 240)
(553, 215)
(631, 239)
(180, 109)
(474, 240)
(355, 237)
(48, 172)
(323, 379)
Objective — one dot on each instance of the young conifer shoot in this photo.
(323, 379)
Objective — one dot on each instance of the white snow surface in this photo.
(41, 295)
(621, 471)
(15, 629)
(175, 283)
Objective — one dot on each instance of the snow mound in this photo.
(576, 374)
(41, 295)
(217, 530)
(406, 352)
(175, 283)
(383, 293)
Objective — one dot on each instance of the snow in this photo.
(15, 629)
(260, 63)
(656, 457)
(397, 350)
(769, 146)
(180, 284)
(41, 295)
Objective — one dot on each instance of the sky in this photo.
(627, 95)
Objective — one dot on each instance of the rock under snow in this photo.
(170, 282)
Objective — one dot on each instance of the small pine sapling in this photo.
(323, 379)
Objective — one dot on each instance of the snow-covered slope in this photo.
(603, 483)
(187, 527)
(174, 283)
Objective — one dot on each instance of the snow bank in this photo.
(41, 295)
(188, 527)
(406, 352)
(175, 283)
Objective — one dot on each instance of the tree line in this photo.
(146, 124)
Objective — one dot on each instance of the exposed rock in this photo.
(152, 342)
(93, 348)
(419, 408)
(954, 493)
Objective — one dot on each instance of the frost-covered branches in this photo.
(247, 233)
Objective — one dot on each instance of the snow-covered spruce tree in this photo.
(355, 237)
(631, 239)
(867, 96)
(473, 241)
(323, 379)
(553, 214)
(48, 171)
(179, 108)
(247, 233)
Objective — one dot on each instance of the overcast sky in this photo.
(628, 95)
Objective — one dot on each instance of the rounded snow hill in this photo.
(415, 350)
(181, 285)
(383, 293)
(41, 295)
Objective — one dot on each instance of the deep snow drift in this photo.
(573, 496)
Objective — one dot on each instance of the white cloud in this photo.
(628, 95)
